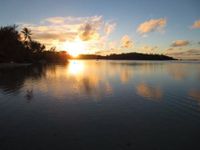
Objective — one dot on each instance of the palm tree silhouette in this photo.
(27, 34)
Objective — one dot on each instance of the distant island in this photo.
(127, 56)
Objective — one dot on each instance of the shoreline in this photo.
(6, 65)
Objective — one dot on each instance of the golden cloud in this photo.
(55, 20)
(180, 43)
(196, 25)
(112, 45)
(55, 31)
(126, 42)
(186, 54)
(152, 25)
(61, 37)
(90, 29)
(88, 32)
(169, 49)
(148, 48)
(109, 28)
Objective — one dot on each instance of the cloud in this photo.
(88, 32)
(70, 20)
(109, 28)
(112, 45)
(196, 25)
(180, 43)
(56, 31)
(61, 37)
(90, 29)
(188, 54)
(170, 49)
(152, 25)
(194, 51)
(49, 33)
(55, 20)
(126, 42)
(148, 48)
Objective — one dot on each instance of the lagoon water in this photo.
(100, 105)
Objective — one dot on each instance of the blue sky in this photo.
(126, 16)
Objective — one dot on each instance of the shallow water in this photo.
(101, 105)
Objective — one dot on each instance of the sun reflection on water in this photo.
(75, 67)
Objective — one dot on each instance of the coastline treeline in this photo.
(128, 56)
(18, 47)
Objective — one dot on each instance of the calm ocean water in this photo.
(98, 105)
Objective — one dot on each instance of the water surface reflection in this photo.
(148, 91)
(101, 105)
(195, 94)
(12, 79)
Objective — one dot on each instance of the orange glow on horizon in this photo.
(75, 48)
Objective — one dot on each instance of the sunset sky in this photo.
(110, 26)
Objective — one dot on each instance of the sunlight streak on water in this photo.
(75, 67)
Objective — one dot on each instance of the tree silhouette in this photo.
(11, 47)
(27, 34)
(36, 47)
(14, 49)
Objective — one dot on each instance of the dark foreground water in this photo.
(101, 105)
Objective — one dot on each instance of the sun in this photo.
(75, 47)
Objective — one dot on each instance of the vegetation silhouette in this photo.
(27, 34)
(127, 56)
(21, 48)
(15, 49)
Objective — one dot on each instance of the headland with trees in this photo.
(19, 47)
